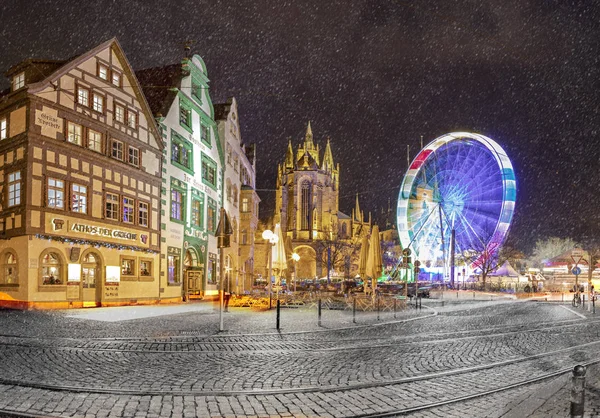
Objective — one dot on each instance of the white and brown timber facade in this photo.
(80, 178)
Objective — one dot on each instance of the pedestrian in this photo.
(226, 297)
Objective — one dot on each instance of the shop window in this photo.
(94, 140)
(74, 133)
(78, 198)
(83, 96)
(9, 269)
(14, 188)
(128, 266)
(56, 194)
(89, 270)
(111, 206)
(51, 269)
(173, 273)
(145, 268)
(143, 214)
(128, 210)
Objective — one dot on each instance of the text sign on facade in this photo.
(49, 121)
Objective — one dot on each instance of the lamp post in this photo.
(269, 236)
(295, 257)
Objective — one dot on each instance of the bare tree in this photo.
(341, 253)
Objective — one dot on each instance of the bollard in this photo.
(394, 308)
(378, 308)
(420, 303)
(583, 301)
(278, 307)
(473, 295)
(593, 304)
(563, 297)
(354, 310)
(319, 312)
(456, 295)
(578, 391)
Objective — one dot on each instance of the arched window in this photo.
(9, 268)
(52, 268)
(90, 270)
(305, 206)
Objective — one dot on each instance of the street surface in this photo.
(466, 355)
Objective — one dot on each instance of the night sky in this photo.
(375, 76)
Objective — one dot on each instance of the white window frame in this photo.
(14, 188)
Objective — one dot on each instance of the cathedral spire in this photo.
(308, 137)
(289, 156)
(358, 213)
(328, 158)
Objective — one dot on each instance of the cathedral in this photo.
(307, 209)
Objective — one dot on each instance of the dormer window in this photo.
(18, 81)
(116, 79)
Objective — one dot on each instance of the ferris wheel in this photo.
(461, 184)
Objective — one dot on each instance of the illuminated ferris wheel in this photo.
(461, 184)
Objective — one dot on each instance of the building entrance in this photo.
(91, 280)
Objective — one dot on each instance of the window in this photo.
(236, 162)
(197, 91)
(89, 270)
(3, 128)
(111, 206)
(83, 96)
(56, 193)
(145, 268)
(185, 116)
(181, 151)
(116, 79)
(9, 269)
(211, 216)
(142, 214)
(127, 266)
(244, 237)
(116, 149)
(228, 190)
(211, 274)
(18, 81)
(235, 196)
(173, 262)
(196, 213)
(103, 71)
(176, 205)
(98, 102)
(51, 269)
(14, 188)
(128, 210)
(133, 156)
(120, 113)
(245, 206)
(132, 119)
(204, 134)
(74, 133)
(228, 154)
(78, 198)
(305, 206)
(94, 140)
(209, 172)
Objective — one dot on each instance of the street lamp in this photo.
(272, 238)
(295, 257)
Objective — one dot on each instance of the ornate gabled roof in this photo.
(307, 162)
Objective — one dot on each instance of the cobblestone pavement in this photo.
(173, 361)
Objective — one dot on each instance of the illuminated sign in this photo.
(103, 232)
(74, 273)
(113, 274)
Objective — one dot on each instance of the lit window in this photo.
(185, 116)
(145, 268)
(111, 208)
(120, 113)
(103, 71)
(94, 140)
(116, 79)
(245, 204)
(98, 103)
(116, 149)
(181, 151)
(51, 269)
(204, 134)
(18, 81)
(9, 269)
(133, 156)
(128, 266)
(131, 119)
(176, 205)
(173, 262)
(196, 213)
(74, 133)
(14, 188)
(211, 218)
(79, 198)
(56, 193)
(128, 210)
(83, 96)
(142, 214)
(3, 128)
(209, 171)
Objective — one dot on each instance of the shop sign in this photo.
(173, 251)
(104, 232)
(47, 118)
(196, 234)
